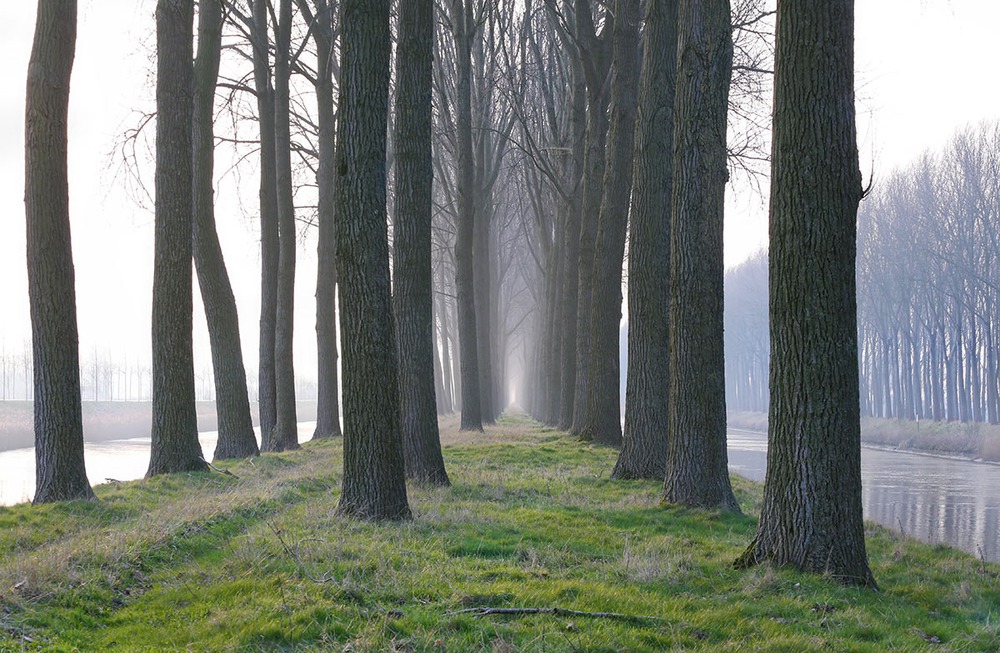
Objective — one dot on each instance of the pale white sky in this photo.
(925, 68)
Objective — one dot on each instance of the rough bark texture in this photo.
(268, 225)
(236, 436)
(175, 446)
(644, 449)
(603, 415)
(285, 435)
(327, 385)
(594, 54)
(374, 481)
(812, 516)
(697, 472)
(412, 286)
(472, 418)
(59, 469)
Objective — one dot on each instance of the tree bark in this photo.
(697, 470)
(60, 473)
(812, 516)
(374, 481)
(175, 446)
(644, 450)
(603, 415)
(413, 294)
(472, 418)
(285, 434)
(236, 436)
(268, 225)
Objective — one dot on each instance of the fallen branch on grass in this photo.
(560, 612)
(221, 471)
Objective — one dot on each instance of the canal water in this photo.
(938, 500)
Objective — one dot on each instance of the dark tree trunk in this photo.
(268, 225)
(175, 446)
(413, 294)
(603, 414)
(594, 53)
(328, 394)
(285, 434)
(236, 436)
(59, 468)
(472, 419)
(811, 517)
(374, 480)
(644, 450)
(697, 471)
(570, 273)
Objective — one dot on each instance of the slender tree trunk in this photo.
(811, 517)
(236, 436)
(328, 393)
(59, 467)
(644, 450)
(374, 478)
(268, 226)
(697, 470)
(285, 434)
(413, 290)
(472, 418)
(175, 446)
(603, 415)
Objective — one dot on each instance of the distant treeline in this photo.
(928, 293)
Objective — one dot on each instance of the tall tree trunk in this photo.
(374, 477)
(472, 418)
(697, 470)
(413, 291)
(59, 467)
(811, 517)
(268, 225)
(236, 436)
(175, 446)
(285, 434)
(328, 394)
(603, 415)
(644, 450)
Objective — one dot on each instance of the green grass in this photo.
(206, 562)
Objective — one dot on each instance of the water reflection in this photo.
(120, 460)
(938, 500)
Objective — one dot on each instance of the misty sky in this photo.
(924, 70)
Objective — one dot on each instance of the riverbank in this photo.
(965, 440)
(111, 420)
(532, 524)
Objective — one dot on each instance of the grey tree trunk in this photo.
(413, 293)
(285, 435)
(812, 517)
(594, 53)
(236, 436)
(697, 470)
(472, 419)
(328, 387)
(644, 448)
(374, 477)
(174, 432)
(268, 225)
(59, 468)
(603, 416)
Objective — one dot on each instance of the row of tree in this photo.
(928, 293)
(534, 196)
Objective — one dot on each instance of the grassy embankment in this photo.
(968, 440)
(208, 562)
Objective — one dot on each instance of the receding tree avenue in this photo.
(529, 362)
